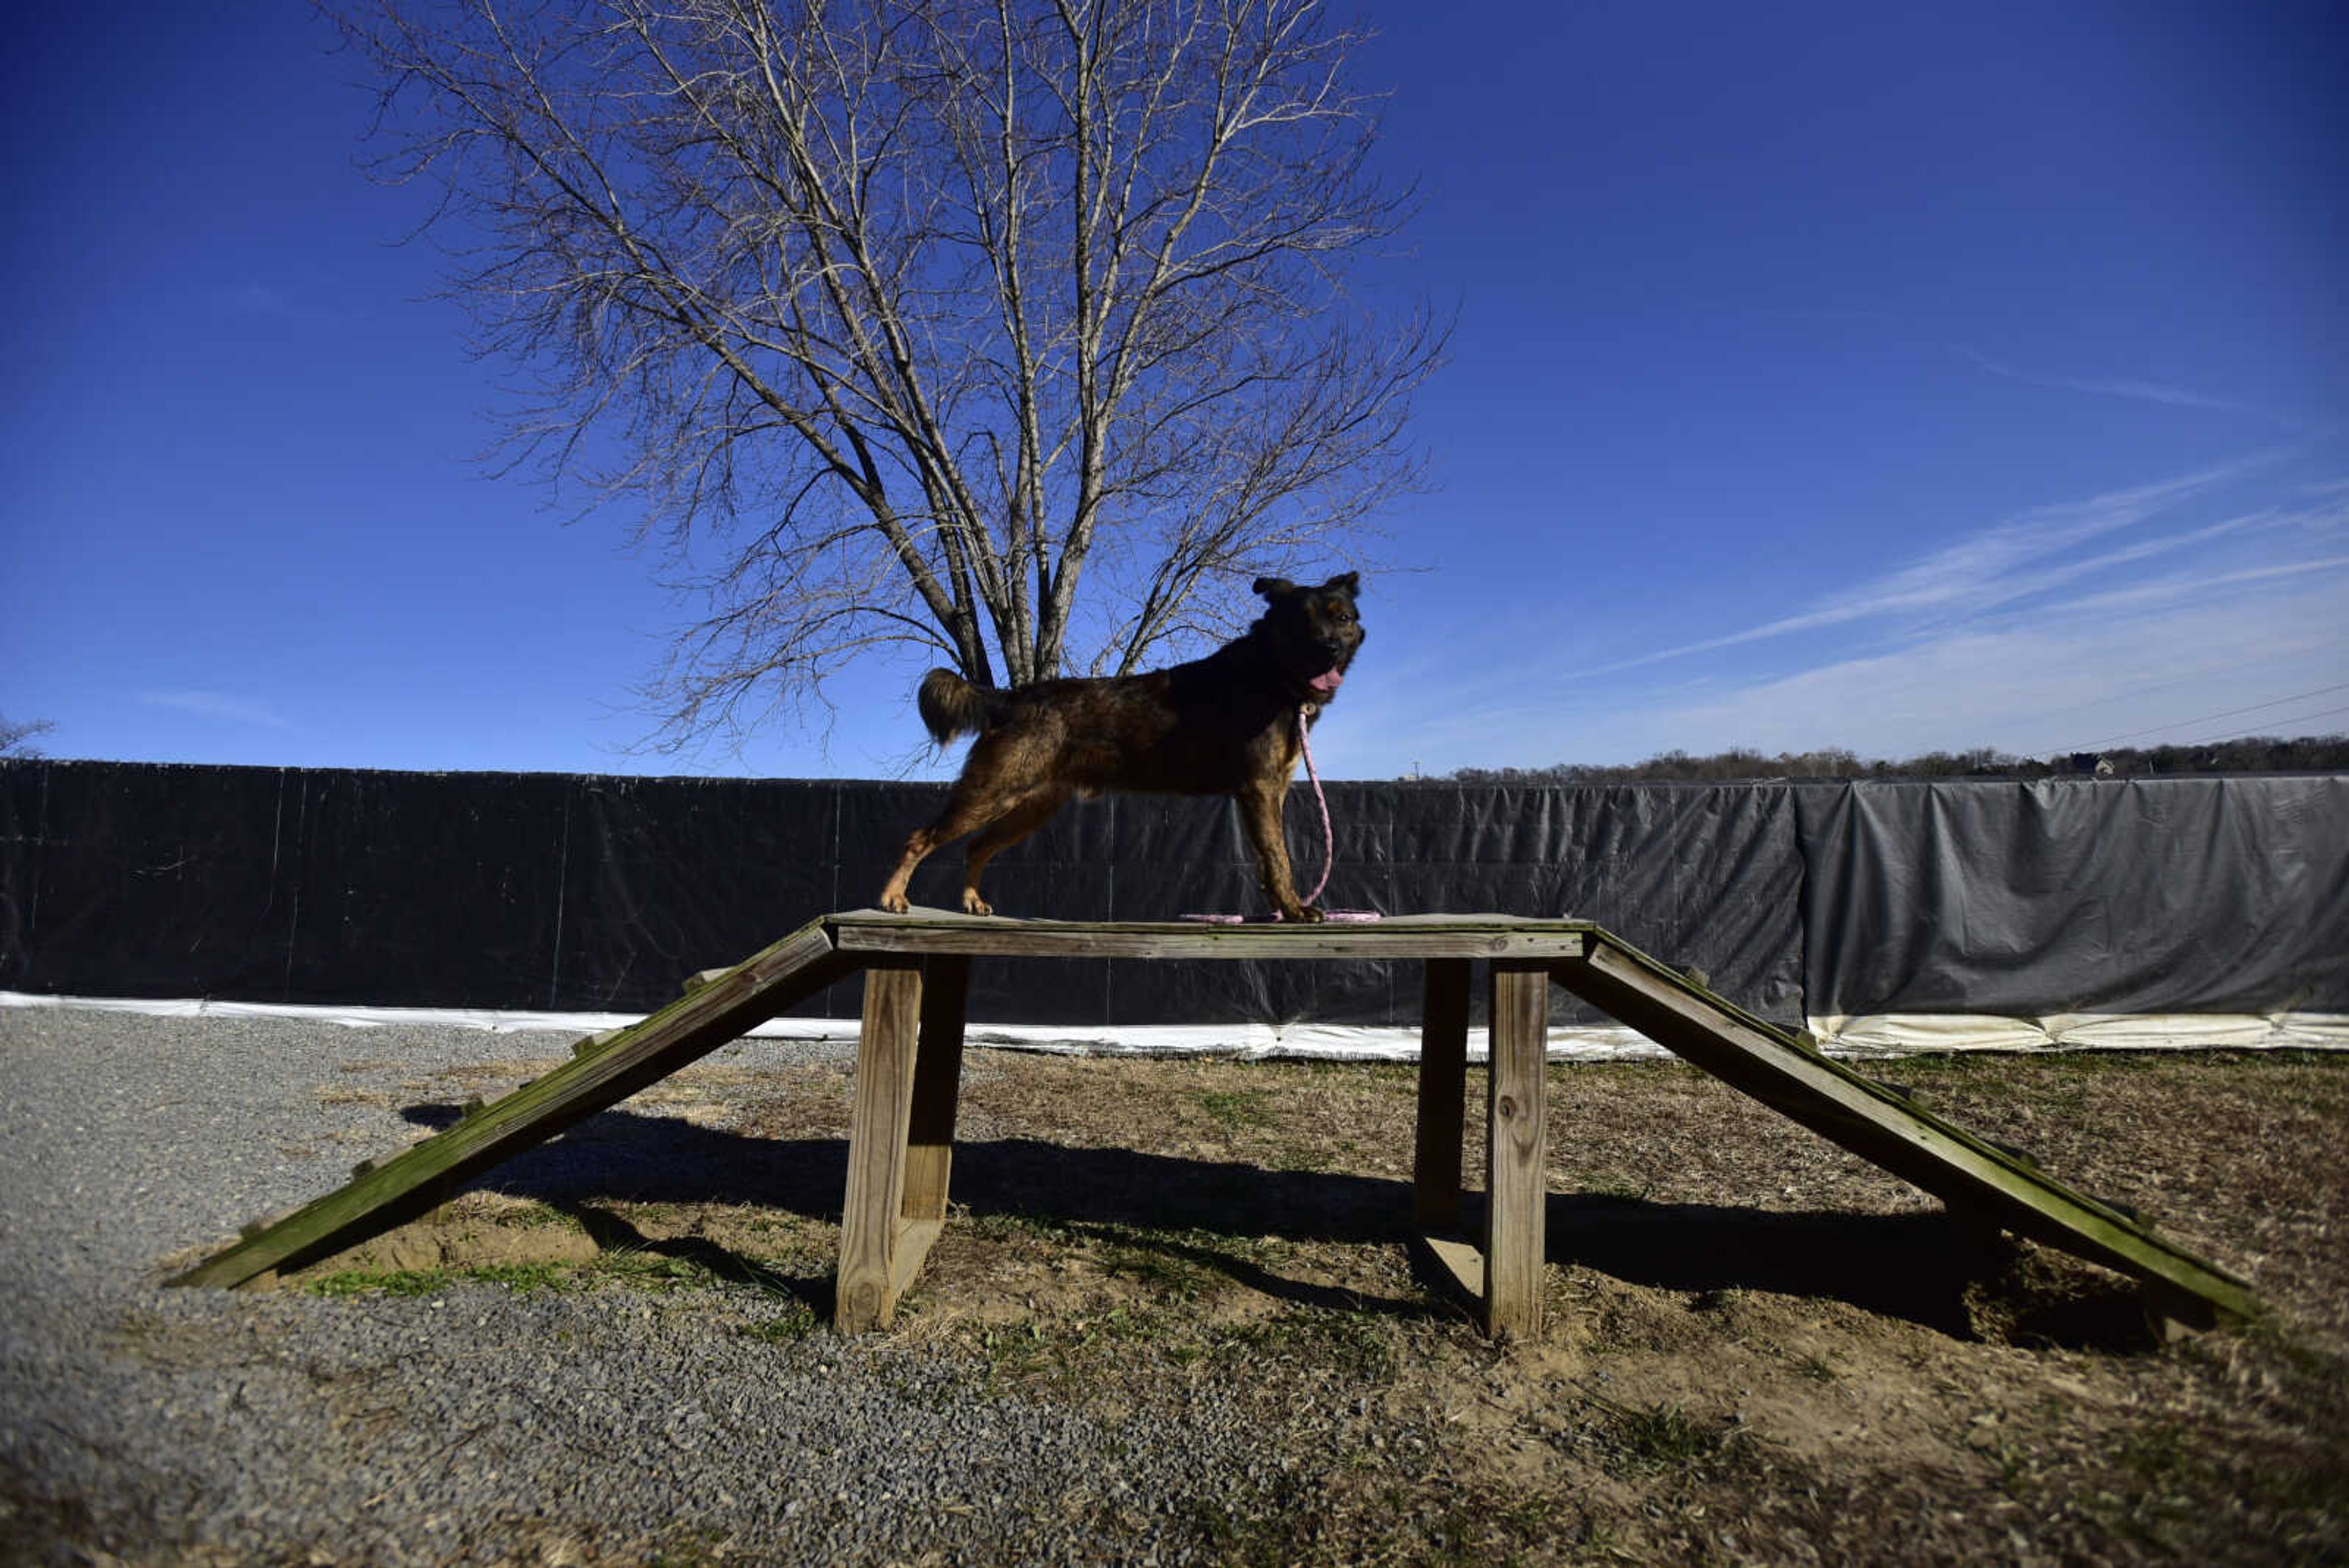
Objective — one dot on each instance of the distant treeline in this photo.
(2254, 754)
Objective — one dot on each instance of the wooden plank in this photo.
(1460, 1261)
(1517, 1121)
(1235, 942)
(419, 1179)
(1482, 935)
(938, 1083)
(1964, 1171)
(2172, 1314)
(877, 1146)
(1443, 1097)
(915, 1238)
(1475, 920)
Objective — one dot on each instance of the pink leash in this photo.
(1328, 836)
(1329, 844)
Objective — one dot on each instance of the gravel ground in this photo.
(1173, 1321)
(477, 1424)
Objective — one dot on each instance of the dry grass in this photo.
(1759, 1348)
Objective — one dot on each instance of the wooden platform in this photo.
(916, 974)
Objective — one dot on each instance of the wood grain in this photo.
(1516, 1123)
(877, 1146)
(1416, 937)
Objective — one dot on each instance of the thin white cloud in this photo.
(2107, 386)
(2136, 660)
(2196, 585)
(218, 705)
(1986, 570)
(2034, 636)
(2137, 609)
(2200, 581)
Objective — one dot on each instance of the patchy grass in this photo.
(1664, 1436)
(655, 1273)
(788, 1327)
(1237, 1110)
(1758, 1348)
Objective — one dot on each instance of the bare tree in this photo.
(16, 736)
(908, 319)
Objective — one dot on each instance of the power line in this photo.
(2239, 735)
(2229, 713)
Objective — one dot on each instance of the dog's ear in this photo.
(1347, 583)
(1273, 587)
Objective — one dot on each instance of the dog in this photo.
(1225, 724)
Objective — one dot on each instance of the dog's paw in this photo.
(894, 903)
(972, 904)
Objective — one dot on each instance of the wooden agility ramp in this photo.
(917, 969)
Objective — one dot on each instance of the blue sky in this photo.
(1890, 377)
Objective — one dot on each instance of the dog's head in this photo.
(1314, 632)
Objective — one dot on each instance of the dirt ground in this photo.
(1758, 1348)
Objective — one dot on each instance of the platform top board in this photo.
(1504, 937)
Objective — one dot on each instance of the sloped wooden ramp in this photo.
(1977, 1179)
(909, 1062)
(604, 1070)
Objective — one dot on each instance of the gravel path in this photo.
(476, 1424)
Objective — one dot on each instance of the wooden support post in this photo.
(1517, 1121)
(2172, 1314)
(938, 1080)
(1443, 1095)
(885, 1054)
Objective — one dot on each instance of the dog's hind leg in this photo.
(918, 846)
(1029, 813)
(999, 781)
(965, 809)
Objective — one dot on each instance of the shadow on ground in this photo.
(1907, 1266)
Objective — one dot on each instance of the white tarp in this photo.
(1905, 1033)
(1884, 1034)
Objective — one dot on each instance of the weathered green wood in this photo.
(925, 931)
(402, 1186)
(1892, 1131)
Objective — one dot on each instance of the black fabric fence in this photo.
(563, 893)
(2141, 896)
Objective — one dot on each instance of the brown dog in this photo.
(1225, 724)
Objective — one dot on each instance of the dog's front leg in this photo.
(1260, 814)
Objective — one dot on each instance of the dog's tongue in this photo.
(1326, 681)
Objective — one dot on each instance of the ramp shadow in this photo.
(1896, 1266)
(1905, 1266)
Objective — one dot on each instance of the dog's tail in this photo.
(952, 706)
